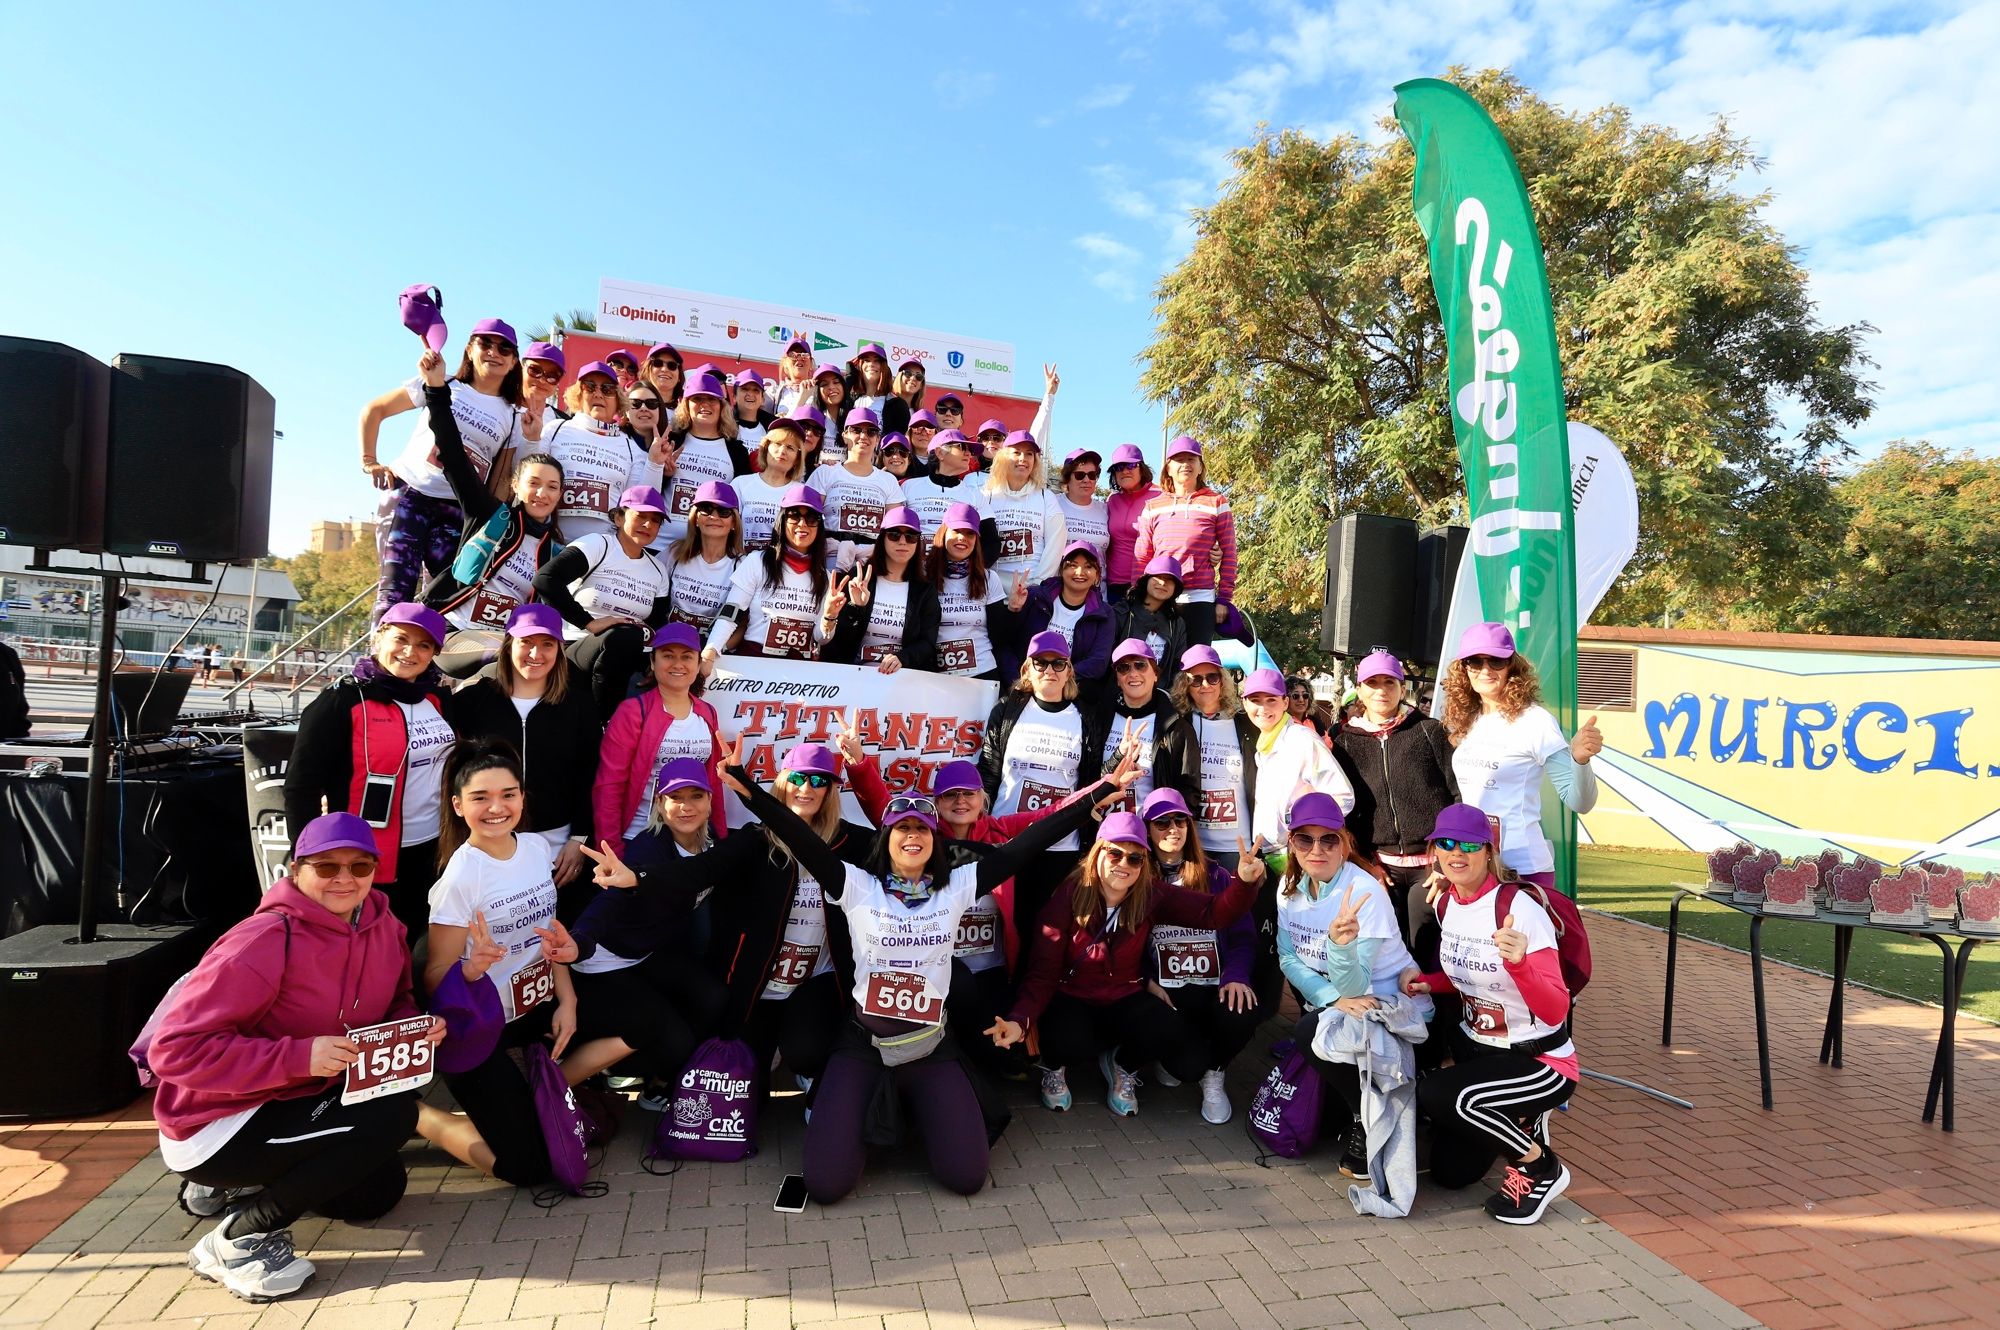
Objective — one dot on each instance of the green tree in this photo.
(577, 320)
(1920, 555)
(325, 582)
(1300, 339)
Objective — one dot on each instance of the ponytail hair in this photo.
(468, 758)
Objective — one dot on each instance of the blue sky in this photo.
(254, 185)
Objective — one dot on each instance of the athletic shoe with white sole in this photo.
(257, 1267)
(1122, 1094)
(1163, 1077)
(1215, 1106)
(208, 1202)
(1055, 1090)
(1525, 1192)
(1354, 1153)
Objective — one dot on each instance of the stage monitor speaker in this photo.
(267, 753)
(1371, 578)
(187, 461)
(54, 402)
(1439, 550)
(70, 1010)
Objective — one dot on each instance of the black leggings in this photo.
(1033, 886)
(609, 660)
(802, 1027)
(937, 1095)
(978, 998)
(410, 894)
(1220, 1032)
(314, 1154)
(496, 1096)
(662, 1007)
(1140, 1027)
(1484, 1105)
(1199, 616)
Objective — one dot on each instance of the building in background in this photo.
(63, 606)
(338, 537)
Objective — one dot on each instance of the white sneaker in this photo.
(257, 1267)
(1215, 1106)
(1163, 1077)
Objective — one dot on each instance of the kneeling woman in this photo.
(1514, 1060)
(902, 912)
(251, 1057)
(1085, 981)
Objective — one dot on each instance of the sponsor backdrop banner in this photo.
(731, 325)
(913, 721)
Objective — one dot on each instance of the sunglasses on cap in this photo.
(541, 373)
(1450, 845)
(710, 510)
(1305, 844)
(905, 804)
(819, 780)
(326, 871)
(1130, 858)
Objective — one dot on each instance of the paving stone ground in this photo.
(1722, 1217)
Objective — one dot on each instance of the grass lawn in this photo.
(1635, 884)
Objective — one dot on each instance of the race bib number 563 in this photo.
(395, 1056)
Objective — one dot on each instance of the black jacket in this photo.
(476, 501)
(322, 761)
(558, 744)
(1132, 619)
(1000, 727)
(552, 587)
(1183, 756)
(1167, 772)
(1402, 779)
(920, 629)
(13, 694)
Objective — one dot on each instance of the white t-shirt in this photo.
(783, 620)
(517, 895)
(430, 741)
(1145, 734)
(1062, 619)
(1032, 533)
(507, 586)
(685, 736)
(758, 502)
(855, 504)
(1499, 768)
(486, 424)
(963, 645)
(701, 460)
(699, 588)
(1298, 756)
(1091, 523)
(1495, 1012)
(802, 952)
(1306, 919)
(902, 953)
(930, 499)
(750, 433)
(1223, 797)
(976, 941)
(599, 463)
(884, 636)
(616, 582)
(1040, 766)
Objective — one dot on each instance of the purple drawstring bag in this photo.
(423, 314)
(472, 1019)
(565, 1130)
(1284, 1113)
(142, 1047)
(714, 1113)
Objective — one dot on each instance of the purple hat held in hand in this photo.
(423, 314)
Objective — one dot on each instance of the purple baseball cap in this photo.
(642, 499)
(821, 371)
(1266, 680)
(1164, 802)
(1048, 643)
(810, 757)
(1081, 547)
(1078, 454)
(675, 635)
(797, 344)
(704, 385)
(420, 617)
(1462, 822)
(548, 351)
(718, 492)
(708, 367)
(1163, 565)
(909, 811)
(423, 314)
(950, 438)
(1486, 639)
(895, 440)
(951, 397)
(495, 328)
(991, 427)
(809, 414)
(749, 374)
(1200, 655)
(1126, 454)
(663, 349)
(334, 831)
(923, 417)
(1021, 438)
(902, 515)
(623, 353)
(535, 621)
(872, 349)
(1379, 662)
(956, 776)
(862, 415)
(597, 367)
(682, 773)
(908, 361)
(1134, 648)
(1183, 445)
(1316, 810)
(1123, 829)
(802, 496)
(959, 517)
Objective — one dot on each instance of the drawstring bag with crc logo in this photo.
(565, 1130)
(714, 1111)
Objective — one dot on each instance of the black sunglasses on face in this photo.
(1130, 858)
(645, 404)
(1133, 666)
(710, 510)
(1083, 475)
(493, 344)
(543, 373)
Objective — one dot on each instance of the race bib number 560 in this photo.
(900, 996)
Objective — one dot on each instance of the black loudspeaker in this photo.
(69, 1011)
(187, 461)
(1371, 582)
(1438, 551)
(52, 430)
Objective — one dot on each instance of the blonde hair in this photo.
(825, 823)
(776, 433)
(573, 398)
(1462, 705)
(1295, 872)
(1183, 695)
(1086, 892)
(1038, 478)
(1026, 682)
(725, 423)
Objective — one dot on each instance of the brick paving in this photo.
(1722, 1217)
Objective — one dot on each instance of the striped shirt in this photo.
(1197, 529)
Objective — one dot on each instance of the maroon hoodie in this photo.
(240, 1032)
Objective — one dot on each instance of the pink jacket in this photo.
(240, 1032)
(625, 764)
(1199, 530)
(1125, 509)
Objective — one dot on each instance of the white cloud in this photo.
(1114, 264)
(1107, 249)
(1105, 97)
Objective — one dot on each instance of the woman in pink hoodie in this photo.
(252, 1056)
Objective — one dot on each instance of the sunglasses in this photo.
(1130, 858)
(1450, 845)
(493, 344)
(600, 386)
(541, 373)
(1307, 844)
(819, 780)
(1487, 662)
(661, 362)
(951, 410)
(710, 510)
(1049, 664)
(897, 451)
(1210, 680)
(866, 431)
(326, 872)
(802, 515)
(905, 804)
(1172, 820)
(645, 403)
(900, 534)
(1083, 475)
(1133, 666)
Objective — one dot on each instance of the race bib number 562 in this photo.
(395, 1056)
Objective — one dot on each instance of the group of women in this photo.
(511, 815)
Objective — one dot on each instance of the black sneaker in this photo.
(1525, 1193)
(1354, 1155)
